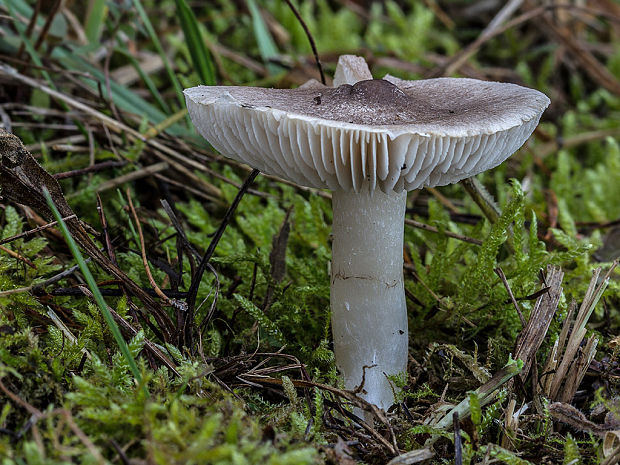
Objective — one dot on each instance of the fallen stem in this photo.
(486, 394)
(30, 232)
(193, 289)
(310, 38)
(429, 228)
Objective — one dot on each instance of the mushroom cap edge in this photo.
(323, 153)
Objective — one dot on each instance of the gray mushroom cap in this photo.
(388, 133)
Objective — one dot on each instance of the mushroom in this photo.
(369, 141)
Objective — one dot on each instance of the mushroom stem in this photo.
(369, 314)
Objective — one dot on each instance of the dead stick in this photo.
(429, 228)
(35, 230)
(145, 261)
(193, 290)
(90, 169)
(310, 38)
(17, 256)
(502, 276)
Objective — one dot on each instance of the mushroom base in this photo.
(369, 314)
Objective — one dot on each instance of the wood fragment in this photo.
(412, 457)
(532, 336)
(17, 256)
(134, 175)
(568, 361)
(453, 235)
(573, 417)
(511, 423)
(580, 366)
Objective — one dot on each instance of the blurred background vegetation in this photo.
(242, 370)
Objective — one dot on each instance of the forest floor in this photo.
(179, 311)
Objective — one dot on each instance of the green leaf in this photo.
(126, 99)
(59, 23)
(160, 51)
(148, 82)
(201, 57)
(266, 45)
(476, 410)
(97, 11)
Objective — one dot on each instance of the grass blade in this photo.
(97, 11)
(266, 45)
(36, 59)
(34, 55)
(201, 57)
(158, 48)
(123, 97)
(22, 8)
(90, 280)
(148, 82)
